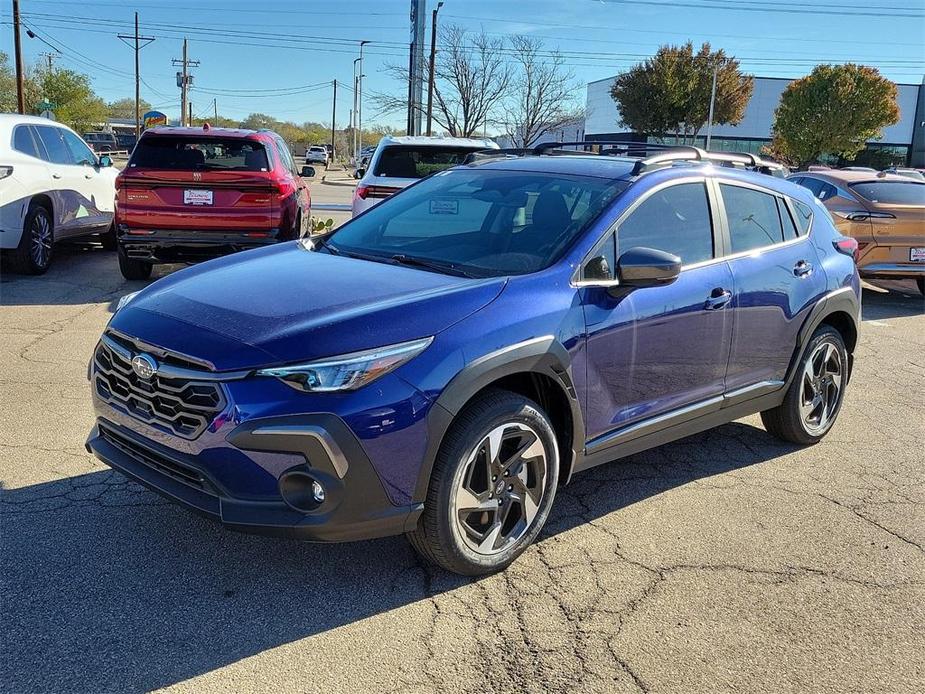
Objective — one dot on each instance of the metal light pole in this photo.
(712, 102)
(356, 90)
(430, 80)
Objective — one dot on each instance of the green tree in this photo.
(125, 108)
(256, 121)
(8, 102)
(75, 103)
(670, 92)
(833, 110)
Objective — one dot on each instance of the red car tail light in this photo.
(848, 246)
(285, 188)
(364, 192)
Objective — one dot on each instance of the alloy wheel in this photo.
(500, 489)
(40, 249)
(821, 387)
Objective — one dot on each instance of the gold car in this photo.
(886, 214)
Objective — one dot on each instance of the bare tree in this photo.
(541, 95)
(471, 76)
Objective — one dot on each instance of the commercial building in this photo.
(902, 143)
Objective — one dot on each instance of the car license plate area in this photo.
(197, 197)
(917, 255)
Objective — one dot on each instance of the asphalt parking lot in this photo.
(727, 562)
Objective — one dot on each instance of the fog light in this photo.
(317, 491)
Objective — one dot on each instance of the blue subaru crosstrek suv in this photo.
(440, 364)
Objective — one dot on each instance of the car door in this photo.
(777, 278)
(657, 355)
(67, 181)
(97, 191)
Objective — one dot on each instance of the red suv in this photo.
(189, 194)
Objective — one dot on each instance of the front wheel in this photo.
(131, 268)
(492, 486)
(36, 245)
(814, 398)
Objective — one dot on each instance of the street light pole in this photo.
(355, 118)
(430, 80)
(712, 102)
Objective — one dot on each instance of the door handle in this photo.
(802, 269)
(719, 297)
(55, 175)
(88, 176)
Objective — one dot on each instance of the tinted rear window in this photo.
(892, 192)
(190, 153)
(407, 161)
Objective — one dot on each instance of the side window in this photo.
(80, 153)
(753, 218)
(790, 230)
(23, 142)
(675, 219)
(607, 248)
(812, 184)
(57, 149)
(827, 191)
(804, 216)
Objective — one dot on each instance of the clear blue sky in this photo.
(272, 56)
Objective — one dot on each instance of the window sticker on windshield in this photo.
(444, 206)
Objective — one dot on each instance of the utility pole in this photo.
(136, 39)
(184, 80)
(333, 118)
(360, 97)
(20, 87)
(357, 141)
(50, 57)
(430, 81)
(189, 121)
(416, 68)
(215, 108)
(712, 102)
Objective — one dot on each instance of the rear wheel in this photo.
(131, 268)
(814, 399)
(492, 486)
(108, 238)
(921, 282)
(36, 245)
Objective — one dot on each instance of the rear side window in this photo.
(23, 142)
(804, 216)
(404, 161)
(53, 139)
(790, 230)
(753, 217)
(174, 153)
(676, 220)
(892, 192)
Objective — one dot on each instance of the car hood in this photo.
(286, 304)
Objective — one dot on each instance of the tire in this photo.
(921, 282)
(108, 238)
(501, 525)
(815, 396)
(133, 269)
(33, 254)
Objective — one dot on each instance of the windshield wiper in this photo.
(447, 268)
(323, 242)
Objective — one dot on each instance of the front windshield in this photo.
(481, 223)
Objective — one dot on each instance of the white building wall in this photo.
(604, 117)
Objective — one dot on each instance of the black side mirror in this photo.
(647, 267)
(308, 171)
(359, 173)
(105, 160)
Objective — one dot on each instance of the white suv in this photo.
(52, 187)
(400, 161)
(316, 155)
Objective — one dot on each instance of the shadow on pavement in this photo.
(106, 587)
(891, 299)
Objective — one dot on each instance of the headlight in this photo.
(124, 300)
(348, 371)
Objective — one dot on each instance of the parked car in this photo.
(914, 174)
(317, 154)
(478, 339)
(398, 162)
(362, 162)
(102, 143)
(884, 212)
(126, 141)
(52, 187)
(189, 194)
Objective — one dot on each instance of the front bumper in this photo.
(180, 245)
(355, 504)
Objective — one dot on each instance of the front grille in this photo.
(183, 407)
(176, 470)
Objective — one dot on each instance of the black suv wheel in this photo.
(131, 268)
(36, 245)
(492, 486)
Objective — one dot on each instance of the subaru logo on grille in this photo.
(144, 366)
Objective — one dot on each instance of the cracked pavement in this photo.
(727, 562)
